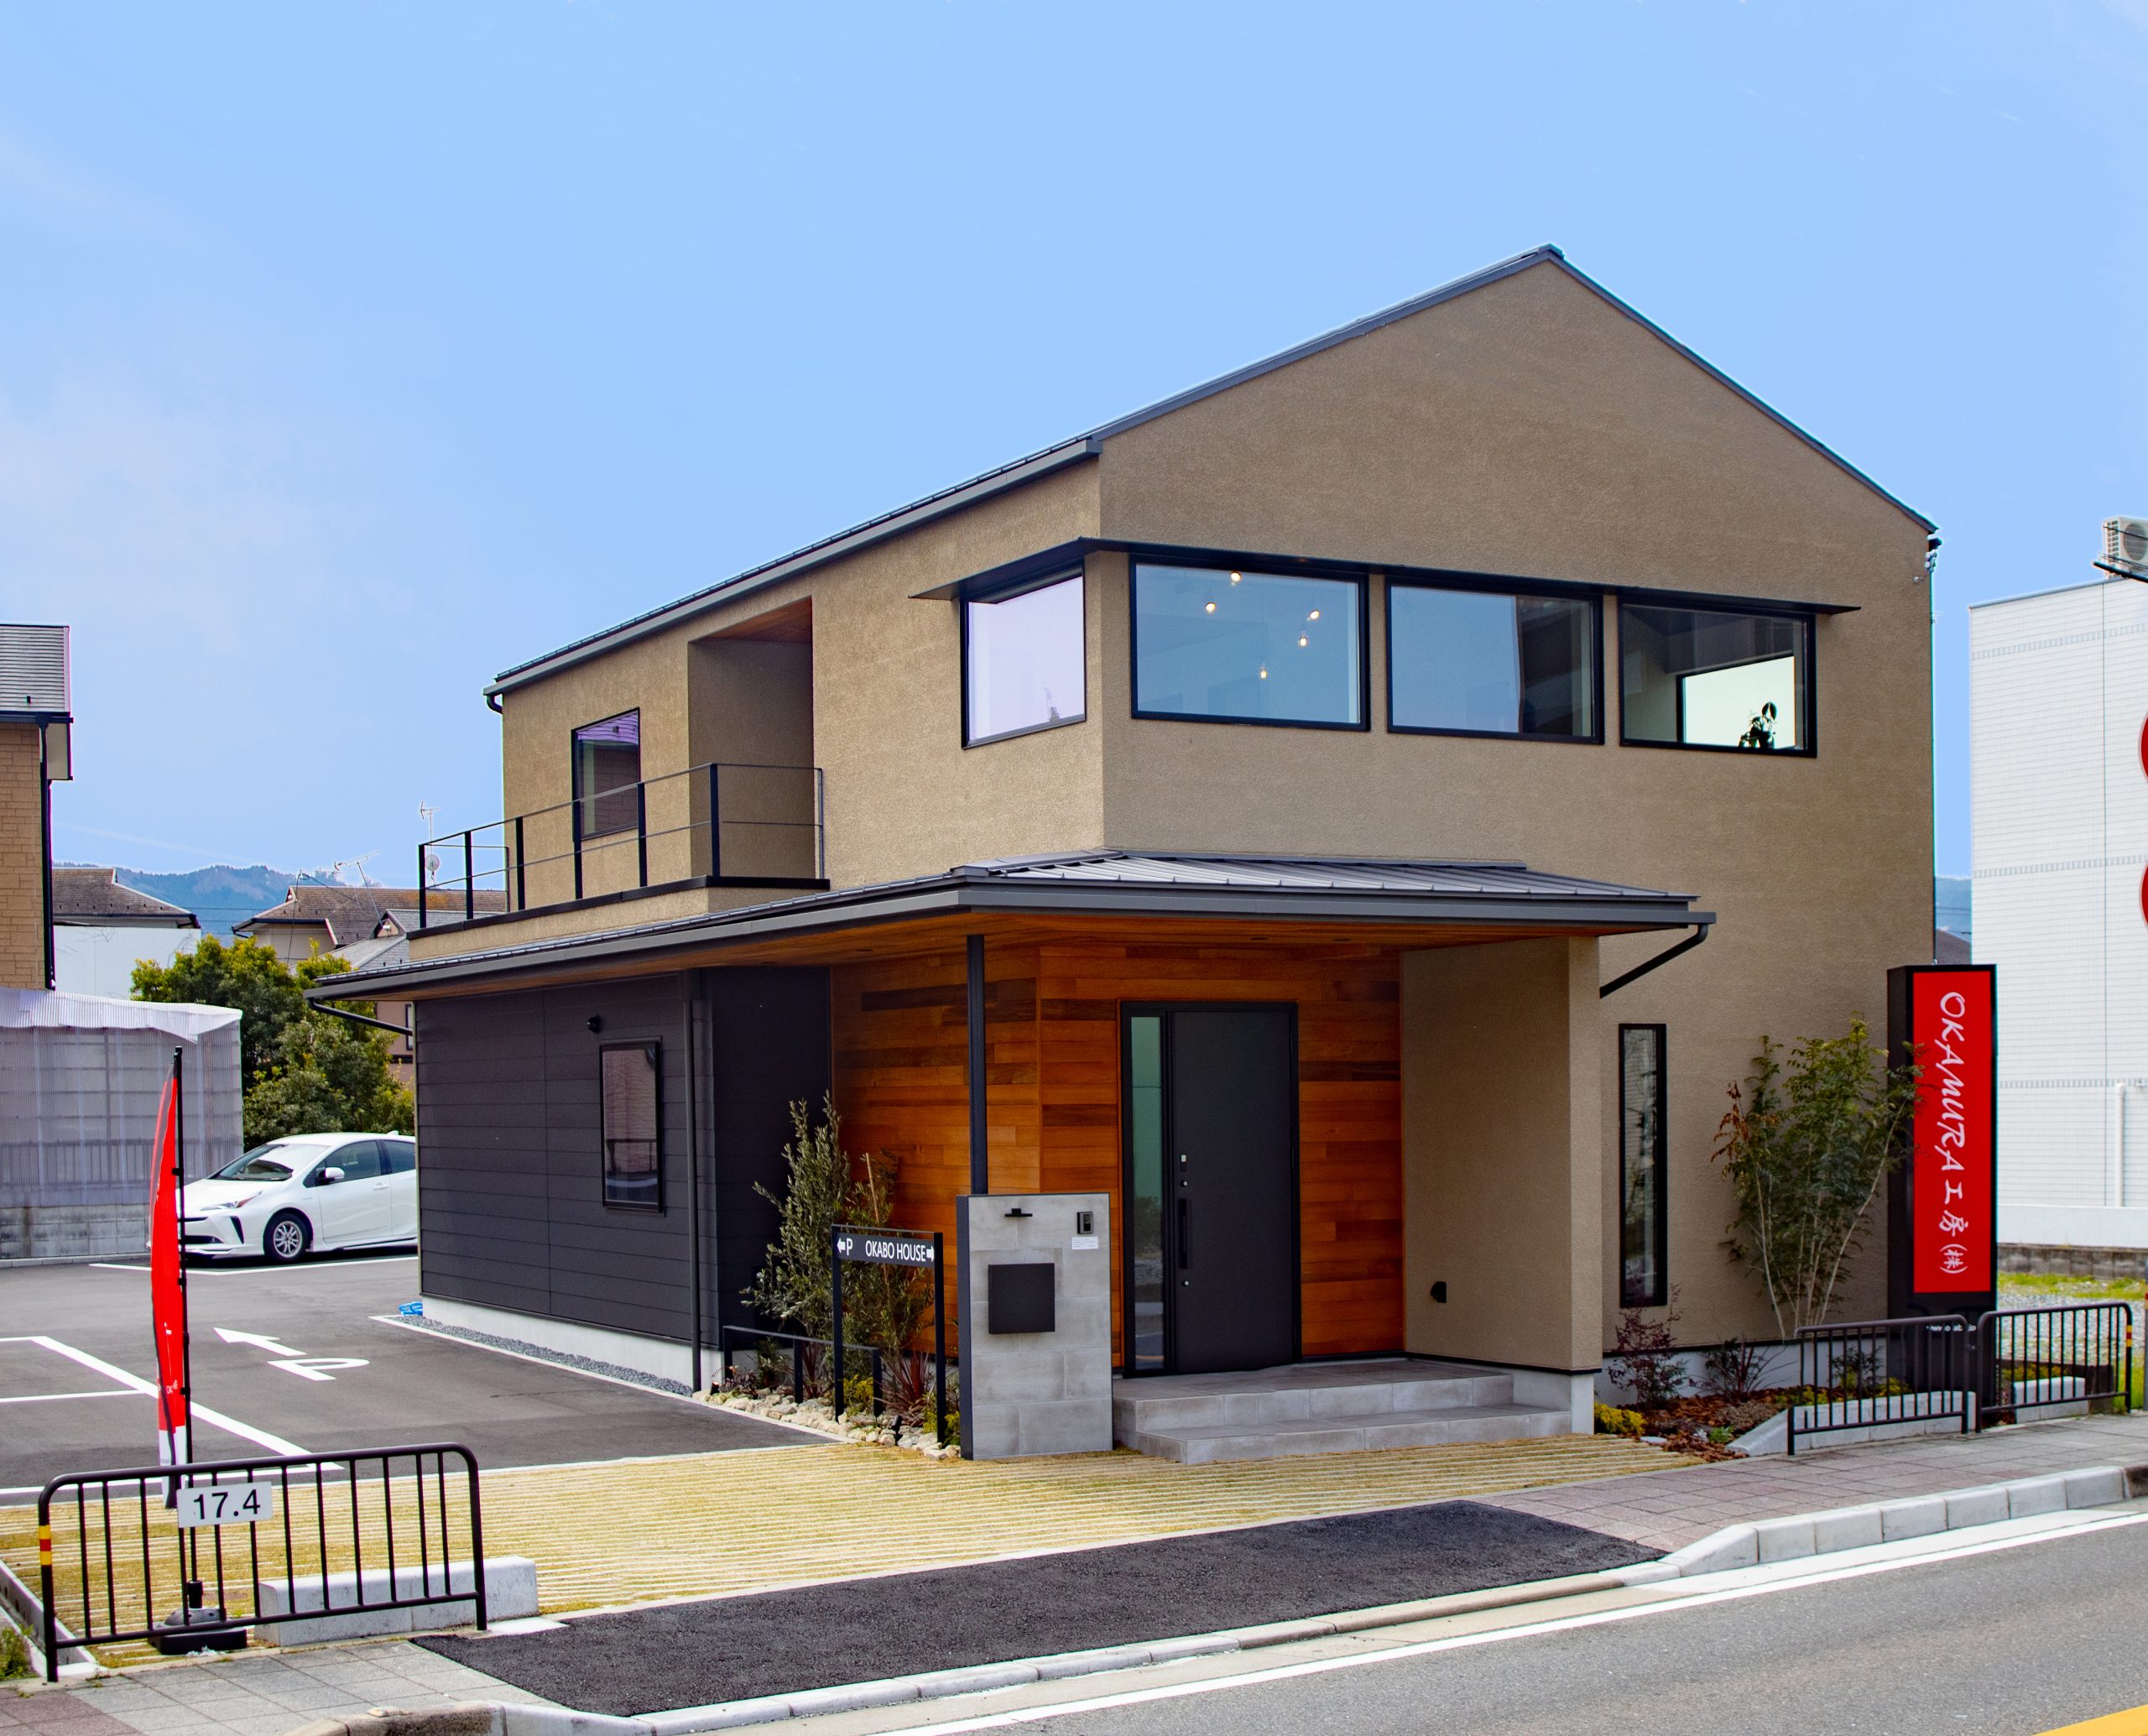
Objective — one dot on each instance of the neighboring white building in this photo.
(99, 928)
(2058, 707)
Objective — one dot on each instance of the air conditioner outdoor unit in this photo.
(2125, 544)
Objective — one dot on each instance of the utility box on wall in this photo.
(1035, 1276)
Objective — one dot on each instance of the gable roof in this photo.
(93, 898)
(353, 913)
(1087, 445)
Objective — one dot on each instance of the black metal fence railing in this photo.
(187, 1558)
(2049, 1360)
(719, 824)
(1869, 1373)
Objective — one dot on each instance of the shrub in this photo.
(1647, 1356)
(1610, 1420)
(14, 1653)
(1733, 1370)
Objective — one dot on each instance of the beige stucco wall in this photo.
(1528, 428)
(903, 796)
(1502, 1153)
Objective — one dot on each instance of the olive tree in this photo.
(1808, 1143)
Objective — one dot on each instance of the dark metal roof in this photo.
(1493, 894)
(92, 897)
(1087, 445)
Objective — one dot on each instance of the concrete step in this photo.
(1359, 1391)
(1195, 1445)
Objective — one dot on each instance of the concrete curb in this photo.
(1741, 1546)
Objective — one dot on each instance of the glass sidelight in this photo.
(1144, 1189)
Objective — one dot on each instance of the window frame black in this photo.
(1660, 1159)
(1490, 585)
(652, 1047)
(574, 774)
(1809, 720)
(1076, 574)
(1359, 577)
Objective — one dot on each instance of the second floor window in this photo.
(1716, 678)
(1231, 645)
(607, 772)
(1491, 663)
(1026, 665)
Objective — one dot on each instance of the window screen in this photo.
(1711, 678)
(1486, 663)
(1026, 666)
(607, 772)
(1231, 645)
(1644, 1216)
(632, 1133)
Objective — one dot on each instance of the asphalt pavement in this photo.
(2010, 1643)
(303, 1362)
(695, 1654)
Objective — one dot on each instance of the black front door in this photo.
(1211, 1198)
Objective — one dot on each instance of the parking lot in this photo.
(305, 1359)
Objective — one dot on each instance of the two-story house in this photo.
(1290, 810)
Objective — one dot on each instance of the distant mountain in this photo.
(218, 896)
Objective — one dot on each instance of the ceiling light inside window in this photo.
(1235, 577)
(1314, 616)
(1263, 672)
(1302, 640)
(1209, 607)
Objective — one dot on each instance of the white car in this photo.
(312, 1192)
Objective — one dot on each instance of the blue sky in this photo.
(352, 352)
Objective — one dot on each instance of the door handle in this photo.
(1185, 1260)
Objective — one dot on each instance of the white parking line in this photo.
(203, 1269)
(98, 1365)
(102, 1392)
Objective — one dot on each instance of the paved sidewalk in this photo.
(250, 1694)
(1670, 1509)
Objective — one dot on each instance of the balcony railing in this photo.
(714, 825)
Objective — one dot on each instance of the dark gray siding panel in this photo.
(510, 1170)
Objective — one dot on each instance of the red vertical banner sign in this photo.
(1953, 1226)
(168, 1280)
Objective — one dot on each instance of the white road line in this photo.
(260, 1437)
(1667, 1605)
(202, 1269)
(106, 1265)
(102, 1392)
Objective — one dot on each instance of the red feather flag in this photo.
(168, 1283)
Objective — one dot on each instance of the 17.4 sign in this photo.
(225, 1504)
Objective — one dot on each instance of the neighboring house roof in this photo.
(1087, 445)
(1948, 947)
(1109, 882)
(93, 898)
(378, 951)
(353, 913)
(42, 1009)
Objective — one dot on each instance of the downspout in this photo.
(2114, 1145)
(690, 999)
(1699, 934)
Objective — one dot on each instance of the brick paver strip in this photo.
(1673, 1508)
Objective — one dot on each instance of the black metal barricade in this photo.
(1869, 1373)
(2035, 1359)
(122, 1554)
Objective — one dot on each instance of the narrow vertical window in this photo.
(607, 770)
(631, 1116)
(1144, 1189)
(1643, 1200)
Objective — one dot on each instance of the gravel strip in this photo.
(587, 1365)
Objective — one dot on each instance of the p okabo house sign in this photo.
(1943, 1247)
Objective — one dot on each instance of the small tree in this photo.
(1648, 1363)
(1807, 1147)
(304, 1071)
(795, 1281)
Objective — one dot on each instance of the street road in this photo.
(302, 1364)
(2011, 1642)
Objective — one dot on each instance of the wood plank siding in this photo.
(1052, 1063)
